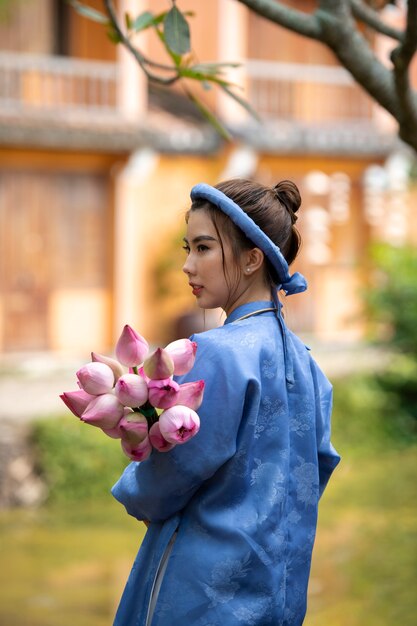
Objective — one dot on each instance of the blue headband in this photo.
(290, 284)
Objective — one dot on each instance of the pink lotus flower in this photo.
(163, 393)
(112, 363)
(77, 401)
(159, 365)
(157, 440)
(96, 378)
(139, 452)
(142, 373)
(133, 427)
(191, 394)
(115, 433)
(178, 424)
(104, 411)
(131, 390)
(131, 348)
(182, 352)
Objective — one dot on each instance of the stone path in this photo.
(30, 386)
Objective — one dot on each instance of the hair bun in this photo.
(288, 194)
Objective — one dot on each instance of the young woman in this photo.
(232, 513)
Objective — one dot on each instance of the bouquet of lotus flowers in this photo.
(144, 407)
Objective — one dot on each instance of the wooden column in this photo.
(232, 47)
(132, 92)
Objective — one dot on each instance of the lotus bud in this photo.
(157, 440)
(139, 452)
(104, 411)
(133, 427)
(131, 390)
(142, 373)
(131, 348)
(163, 393)
(159, 365)
(115, 433)
(77, 401)
(96, 378)
(191, 394)
(112, 363)
(178, 424)
(182, 353)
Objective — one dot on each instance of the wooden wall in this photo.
(56, 239)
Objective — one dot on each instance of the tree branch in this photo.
(297, 21)
(403, 54)
(370, 17)
(401, 58)
(143, 61)
(333, 24)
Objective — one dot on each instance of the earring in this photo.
(248, 270)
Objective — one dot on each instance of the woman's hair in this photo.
(273, 209)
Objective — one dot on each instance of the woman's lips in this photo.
(196, 289)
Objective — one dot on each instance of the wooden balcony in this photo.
(58, 101)
(306, 94)
(57, 88)
(60, 86)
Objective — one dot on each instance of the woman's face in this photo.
(204, 265)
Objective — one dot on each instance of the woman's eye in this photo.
(202, 248)
(187, 249)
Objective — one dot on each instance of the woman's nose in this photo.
(187, 267)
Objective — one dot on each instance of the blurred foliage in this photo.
(76, 461)
(391, 299)
(370, 415)
(5, 10)
(167, 266)
(391, 307)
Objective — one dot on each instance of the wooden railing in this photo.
(45, 85)
(305, 93)
(59, 87)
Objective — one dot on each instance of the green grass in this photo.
(364, 566)
(65, 565)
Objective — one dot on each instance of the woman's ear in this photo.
(252, 260)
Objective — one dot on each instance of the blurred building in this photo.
(96, 167)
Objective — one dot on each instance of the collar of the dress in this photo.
(248, 308)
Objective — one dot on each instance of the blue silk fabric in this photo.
(243, 494)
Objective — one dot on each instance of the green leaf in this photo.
(177, 31)
(89, 12)
(143, 21)
(114, 36)
(214, 68)
(243, 103)
(177, 58)
(208, 115)
(189, 72)
(128, 21)
(158, 19)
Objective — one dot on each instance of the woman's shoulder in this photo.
(234, 339)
